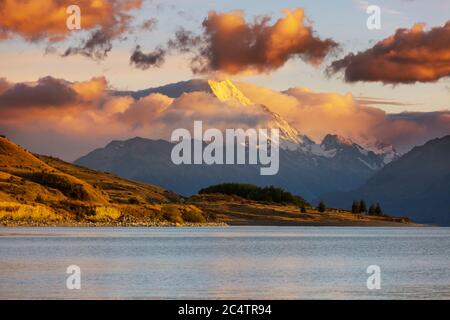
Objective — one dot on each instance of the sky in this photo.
(343, 20)
(34, 43)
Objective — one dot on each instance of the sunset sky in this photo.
(412, 75)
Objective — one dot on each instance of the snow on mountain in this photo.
(290, 138)
(387, 151)
(226, 91)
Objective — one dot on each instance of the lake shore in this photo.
(165, 224)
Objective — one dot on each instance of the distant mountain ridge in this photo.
(149, 160)
(417, 185)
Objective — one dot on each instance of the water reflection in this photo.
(225, 263)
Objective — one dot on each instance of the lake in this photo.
(225, 263)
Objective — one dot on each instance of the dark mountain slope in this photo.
(417, 185)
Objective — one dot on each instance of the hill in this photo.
(41, 188)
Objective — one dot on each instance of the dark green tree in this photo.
(371, 210)
(355, 207)
(362, 206)
(378, 210)
(321, 206)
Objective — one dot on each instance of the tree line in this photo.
(361, 207)
(255, 193)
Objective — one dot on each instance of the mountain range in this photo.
(306, 167)
(336, 169)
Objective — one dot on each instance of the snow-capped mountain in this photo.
(307, 167)
(374, 157)
(386, 151)
(290, 138)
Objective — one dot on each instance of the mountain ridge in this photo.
(149, 160)
(416, 185)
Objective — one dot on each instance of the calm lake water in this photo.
(225, 263)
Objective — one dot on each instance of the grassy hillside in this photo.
(234, 210)
(37, 188)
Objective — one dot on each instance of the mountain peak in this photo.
(226, 91)
(334, 140)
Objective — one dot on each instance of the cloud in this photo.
(46, 20)
(69, 119)
(140, 114)
(104, 20)
(317, 114)
(408, 56)
(231, 45)
(144, 61)
(149, 24)
(4, 85)
(409, 129)
(374, 101)
(97, 46)
(47, 92)
(78, 117)
(204, 106)
(184, 41)
(235, 46)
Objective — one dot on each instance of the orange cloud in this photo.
(4, 85)
(235, 46)
(231, 45)
(317, 114)
(67, 119)
(46, 19)
(78, 117)
(91, 90)
(408, 56)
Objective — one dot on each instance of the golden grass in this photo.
(106, 213)
(182, 213)
(35, 212)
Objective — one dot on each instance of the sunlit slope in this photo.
(44, 188)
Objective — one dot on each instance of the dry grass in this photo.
(117, 190)
(236, 211)
(106, 213)
(183, 213)
(35, 212)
